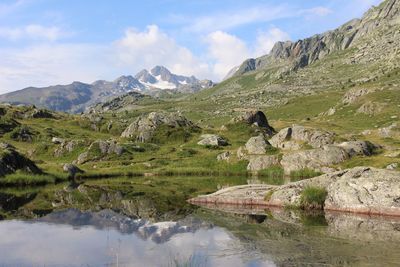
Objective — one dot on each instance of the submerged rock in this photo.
(71, 169)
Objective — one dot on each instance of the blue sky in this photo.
(45, 42)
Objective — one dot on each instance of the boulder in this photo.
(291, 138)
(257, 145)
(11, 161)
(258, 118)
(42, 114)
(363, 148)
(261, 162)
(66, 147)
(354, 94)
(315, 159)
(144, 127)
(388, 132)
(224, 156)
(72, 169)
(392, 166)
(212, 140)
(57, 141)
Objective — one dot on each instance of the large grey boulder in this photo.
(262, 162)
(144, 127)
(315, 159)
(257, 145)
(363, 148)
(212, 140)
(291, 138)
(366, 190)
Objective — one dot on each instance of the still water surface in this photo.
(205, 238)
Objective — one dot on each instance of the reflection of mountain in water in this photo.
(158, 232)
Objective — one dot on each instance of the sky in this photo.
(48, 42)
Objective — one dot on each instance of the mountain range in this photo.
(77, 96)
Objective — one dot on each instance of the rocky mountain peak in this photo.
(294, 55)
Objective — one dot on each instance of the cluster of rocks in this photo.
(145, 126)
(65, 146)
(11, 161)
(320, 152)
(100, 149)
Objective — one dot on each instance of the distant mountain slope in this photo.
(76, 97)
(294, 55)
(356, 54)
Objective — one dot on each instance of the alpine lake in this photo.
(146, 221)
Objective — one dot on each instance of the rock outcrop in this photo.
(11, 161)
(258, 118)
(100, 149)
(291, 138)
(316, 159)
(144, 127)
(361, 190)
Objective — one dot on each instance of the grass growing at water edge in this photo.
(313, 198)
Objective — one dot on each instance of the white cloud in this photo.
(32, 31)
(235, 18)
(49, 64)
(226, 51)
(153, 47)
(53, 63)
(267, 39)
(317, 11)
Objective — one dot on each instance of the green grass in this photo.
(24, 179)
(303, 174)
(313, 197)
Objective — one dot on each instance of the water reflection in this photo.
(73, 238)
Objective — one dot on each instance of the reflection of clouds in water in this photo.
(27, 244)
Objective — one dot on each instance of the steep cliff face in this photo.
(294, 55)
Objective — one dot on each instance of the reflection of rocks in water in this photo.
(362, 227)
(11, 202)
(158, 232)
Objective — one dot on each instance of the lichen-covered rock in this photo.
(99, 149)
(11, 161)
(257, 145)
(291, 138)
(371, 108)
(225, 156)
(144, 127)
(363, 148)
(262, 162)
(314, 159)
(212, 140)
